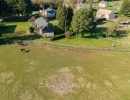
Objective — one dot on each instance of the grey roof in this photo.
(1, 20)
(41, 22)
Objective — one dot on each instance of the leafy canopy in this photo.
(83, 21)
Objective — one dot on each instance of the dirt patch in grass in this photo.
(80, 69)
(7, 77)
(82, 81)
(30, 96)
(62, 82)
(108, 83)
(33, 63)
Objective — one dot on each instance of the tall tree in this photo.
(62, 19)
(69, 15)
(83, 21)
(58, 14)
(65, 18)
(125, 7)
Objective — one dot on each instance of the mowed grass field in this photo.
(15, 29)
(47, 73)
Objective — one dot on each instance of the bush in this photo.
(57, 37)
(31, 29)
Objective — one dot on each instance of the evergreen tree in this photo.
(58, 14)
(83, 21)
(62, 19)
(65, 18)
(69, 13)
(21, 7)
(125, 7)
(28, 7)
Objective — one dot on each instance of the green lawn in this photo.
(112, 4)
(54, 22)
(15, 29)
(47, 73)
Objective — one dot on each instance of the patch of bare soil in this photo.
(7, 77)
(80, 69)
(62, 82)
(30, 96)
(108, 83)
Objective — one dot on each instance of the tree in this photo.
(62, 19)
(83, 21)
(112, 30)
(125, 7)
(41, 3)
(65, 18)
(58, 14)
(69, 15)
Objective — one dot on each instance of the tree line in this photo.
(15, 8)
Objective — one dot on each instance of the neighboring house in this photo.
(80, 5)
(50, 13)
(103, 4)
(95, 5)
(44, 28)
(103, 13)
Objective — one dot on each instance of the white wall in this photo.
(102, 5)
(48, 34)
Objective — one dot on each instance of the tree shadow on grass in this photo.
(97, 32)
(8, 29)
(57, 30)
(27, 51)
(120, 34)
(11, 40)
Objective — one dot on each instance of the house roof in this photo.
(41, 22)
(35, 15)
(103, 2)
(104, 12)
(49, 10)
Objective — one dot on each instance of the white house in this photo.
(103, 4)
(103, 13)
(80, 5)
(44, 28)
(50, 13)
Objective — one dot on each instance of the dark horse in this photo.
(22, 49)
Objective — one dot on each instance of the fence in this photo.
(117, 42)
(72, 47)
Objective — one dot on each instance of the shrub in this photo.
(31, 29)
(57, 37)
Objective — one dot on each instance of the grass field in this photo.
(47, 73)
(15, 29)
